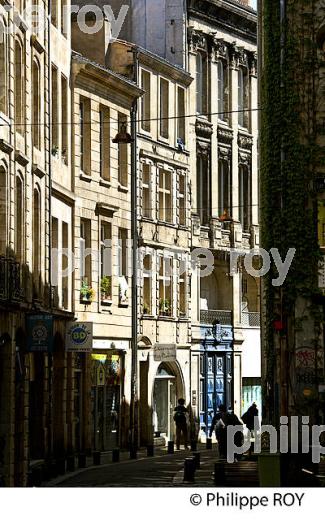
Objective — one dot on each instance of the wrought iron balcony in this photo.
(11, 286)
(250, 319)
(210, 317)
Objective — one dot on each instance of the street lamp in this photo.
(123, 137)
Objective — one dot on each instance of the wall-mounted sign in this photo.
(164, 352)
(79, 337)
(39, 333)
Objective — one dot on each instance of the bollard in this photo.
(189, 469)
(197, 459)
(116, 455)
(220, 472)
(209, 443)
(60, 466)
(96, 458)
(150, 450)
(193, 445)
(81, 460)
(71, 463)
(133, 452)
(170, 448)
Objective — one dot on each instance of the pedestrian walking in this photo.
(219, 425)
(250, 421)
(180, 418)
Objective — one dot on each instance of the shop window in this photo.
(146, 101)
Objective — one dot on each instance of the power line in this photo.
(206, 114)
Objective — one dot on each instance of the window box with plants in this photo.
(146, 310)
(87, 293)
(165, 308)
(106, 290)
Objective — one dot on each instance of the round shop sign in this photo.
(79, 337)
(39, 332)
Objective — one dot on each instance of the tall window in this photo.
(182, 280)
(64, 263)
(203, 189)
(55, 122)
(106, 261)
(54, 12)
(164, 108)
(36, 105)
(19, 219)
(64, 118)
(36, 240)
(165, 196)
(64, 17)
(182, 198)
(19, 87)
(104, 138)
(165, 286)
(224, 187)
(122, 155)
(85, 135)
(181, 114)
(223, 91)
(147, 284)
(123, 252)
(146, 190)
(3, 211)
(243, 97)
(244, 197)
(145, 101)
(3, 68)
(201, 83)
(85, 255)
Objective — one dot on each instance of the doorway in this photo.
(164, 402)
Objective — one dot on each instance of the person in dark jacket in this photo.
(249, 419)
(180, 418)
(220, 422)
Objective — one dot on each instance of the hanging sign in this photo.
(164, 352)
(79, 337)
(39, 333)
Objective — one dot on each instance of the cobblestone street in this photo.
(162, 470)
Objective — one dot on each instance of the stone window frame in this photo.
(20, 85)
(4, 66)
(150, 187)
(164, 108)
(170, 170)
(145, 103)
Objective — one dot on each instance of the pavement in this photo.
(162, 470)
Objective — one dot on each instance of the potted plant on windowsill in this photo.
(55, 151)
(164, 307)
(106, 290)
(87, 293)
(146, 309)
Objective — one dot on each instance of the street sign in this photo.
(79, 337)
(39, 333)
(164, 352)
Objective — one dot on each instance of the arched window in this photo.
(19, 87)
(3, 210)
(19, 219)
(3, 68)
(36, 108)
(36, 239)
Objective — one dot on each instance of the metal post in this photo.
(189, 469)
(219, 473)
(134, 232)
(170, 449)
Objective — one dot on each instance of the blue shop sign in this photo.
(39, 333)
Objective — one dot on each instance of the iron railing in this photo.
(11, 284)
(250, 319)
(210, 317)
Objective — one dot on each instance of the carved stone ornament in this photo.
(244, 158)
(238, 56)
(220, 48)
(224, 153)
(252, 63)
(203, 128)
(225, 135)
(197, 40)
(245, 141)
(203, 149)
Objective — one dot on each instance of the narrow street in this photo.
(162, 470)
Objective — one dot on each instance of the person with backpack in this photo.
(219, 425)
(180, 418)
(252, 424)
